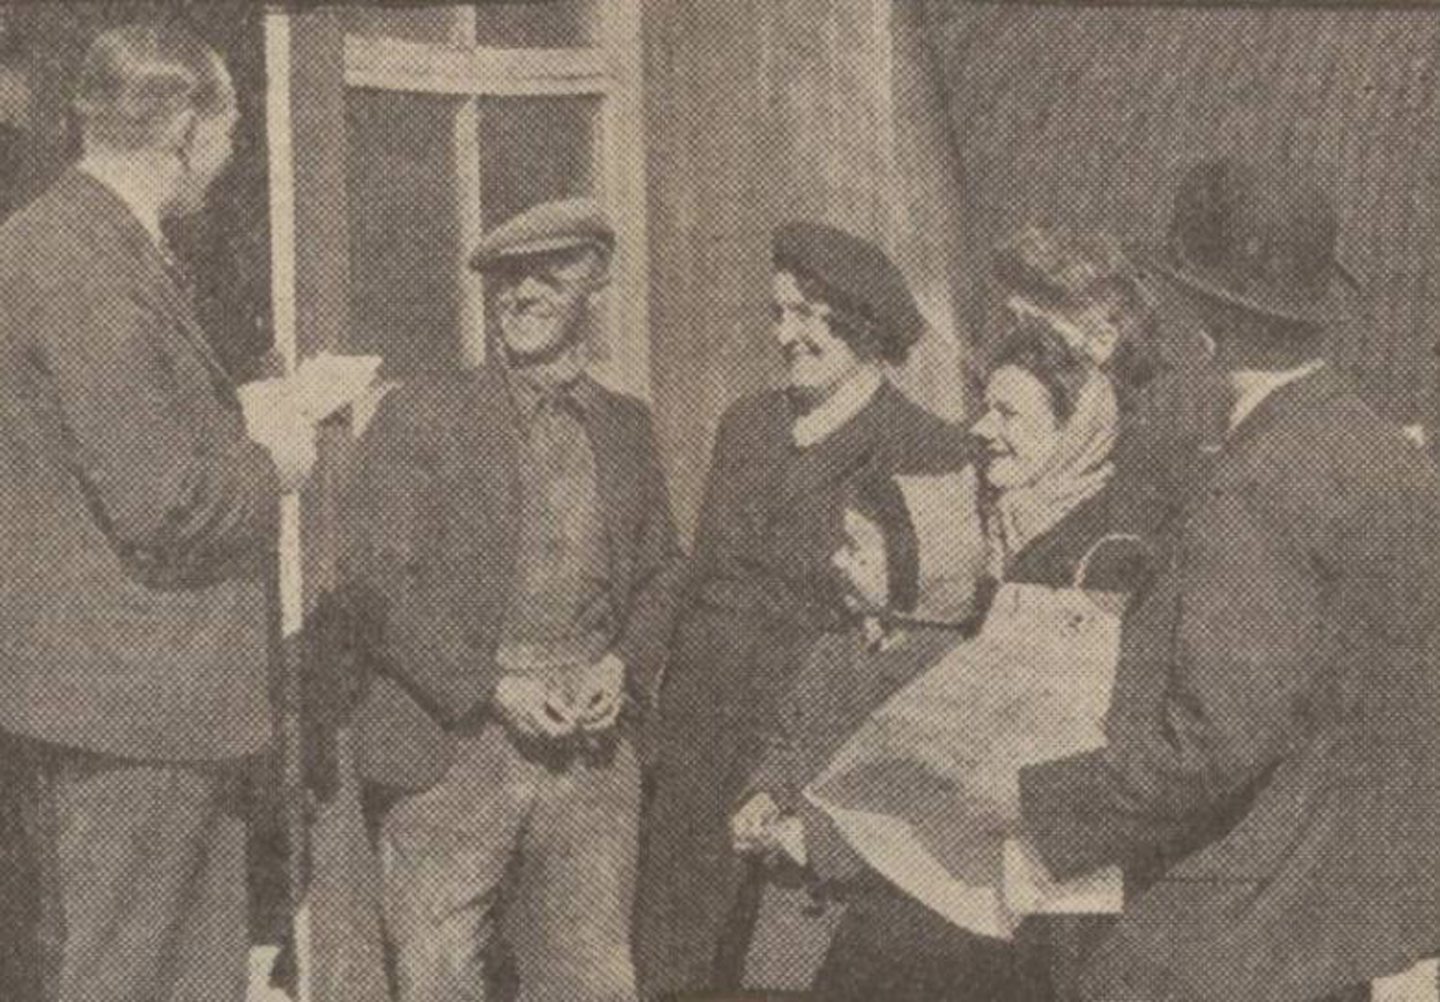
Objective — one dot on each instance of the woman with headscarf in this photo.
(1046, 498)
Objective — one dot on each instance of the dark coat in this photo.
(837, 691)
(137, 521)
(1275, 728)
(758, 595)
(760, 574)
(431, 523)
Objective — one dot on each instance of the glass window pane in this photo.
(403, 228)
(414, 23)
(550, 24)
(533, 149)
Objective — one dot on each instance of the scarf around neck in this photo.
(1076, 471)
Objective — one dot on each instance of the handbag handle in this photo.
(1082, 570)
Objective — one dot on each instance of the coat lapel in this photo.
(614, 479)
(1283, 406)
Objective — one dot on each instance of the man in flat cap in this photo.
(1274, 734)
(759, 589)
(512, 527)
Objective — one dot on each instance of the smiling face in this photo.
(817, 361)
(862, 564)
(541, 303)
(1019, 427)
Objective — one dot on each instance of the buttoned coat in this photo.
(137, 521)
(759, 592)
(1275, 728)
(432, 521)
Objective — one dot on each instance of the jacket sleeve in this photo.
(179, 498)
(424, 650)
(1233, 704)
(659, 565)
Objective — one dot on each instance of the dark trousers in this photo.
(690, 880)
(145, 865)
(889, 946)
(21, 890)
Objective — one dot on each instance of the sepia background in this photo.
(933, 126)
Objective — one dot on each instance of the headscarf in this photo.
(1077, 470)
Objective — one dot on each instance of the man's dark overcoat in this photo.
(1275, 729)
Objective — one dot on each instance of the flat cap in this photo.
(540, 229)
(866, 283)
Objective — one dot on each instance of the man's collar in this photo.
(134, 195)
(532, 385)
(832, 413)
(1252, 387)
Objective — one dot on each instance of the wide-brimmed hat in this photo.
(1260, 238)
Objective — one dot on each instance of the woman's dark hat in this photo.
(1262, 239)
(860, 273)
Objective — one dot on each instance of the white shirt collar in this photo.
(1253, 386)
(827, 417)
(125, 188)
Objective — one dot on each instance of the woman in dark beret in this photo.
(759, 590)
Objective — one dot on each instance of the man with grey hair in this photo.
(139, 531)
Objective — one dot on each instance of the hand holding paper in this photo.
(281, 413)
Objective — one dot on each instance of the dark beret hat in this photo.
(861, 276)
(545, 228)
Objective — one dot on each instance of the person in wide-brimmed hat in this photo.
(760, 581)
(1274, 735)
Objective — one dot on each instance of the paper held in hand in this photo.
(927, 790)
(320, 386)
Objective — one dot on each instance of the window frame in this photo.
(608, 68)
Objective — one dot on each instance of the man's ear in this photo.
(600, 276)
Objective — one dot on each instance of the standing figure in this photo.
(139, 531)
(1274, 733)
(512, 528)
(759, 590)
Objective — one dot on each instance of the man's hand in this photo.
(600, 694)
(273, 420)
(532, 708)
(750, 828)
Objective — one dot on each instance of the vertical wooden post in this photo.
(279, 139)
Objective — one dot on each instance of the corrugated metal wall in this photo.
(1087, 116)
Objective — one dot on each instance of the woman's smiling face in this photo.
(1020, 428)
